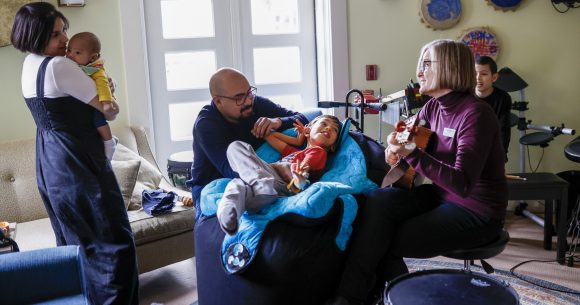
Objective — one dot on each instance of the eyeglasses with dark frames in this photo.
(426, 64)
(239, 99)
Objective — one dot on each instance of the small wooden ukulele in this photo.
(410, 133)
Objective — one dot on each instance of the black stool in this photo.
(481, 253)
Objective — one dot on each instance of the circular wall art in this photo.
(482, 41)
(504, 5)
(440, 14)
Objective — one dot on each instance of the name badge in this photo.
(448, 132)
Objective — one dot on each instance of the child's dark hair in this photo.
(486, 60)
(91, 38)
(335, 145)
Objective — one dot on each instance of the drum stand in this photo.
(542, 138)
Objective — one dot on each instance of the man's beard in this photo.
(246, 108)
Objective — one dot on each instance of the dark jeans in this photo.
(396, 223)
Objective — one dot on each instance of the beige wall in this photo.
(100, 17)
(538, 43)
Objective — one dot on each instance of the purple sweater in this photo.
(465, 157)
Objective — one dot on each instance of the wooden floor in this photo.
(177, 284)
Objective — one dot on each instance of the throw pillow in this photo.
(148, 177)
(126, 173)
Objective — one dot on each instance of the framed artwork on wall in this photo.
(482, 41)
(504, 5)
(7, 11)
(440, 14)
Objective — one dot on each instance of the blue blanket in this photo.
(345, 175)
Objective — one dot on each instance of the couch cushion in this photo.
(19, 197)
(126, 173)
(38, 234)
(147, 178)
(147, 228)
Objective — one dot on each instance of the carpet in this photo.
(529, 294)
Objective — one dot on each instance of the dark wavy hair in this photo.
(33, 25)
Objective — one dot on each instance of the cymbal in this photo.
(572, 150)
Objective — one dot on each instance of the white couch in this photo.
(160, 240)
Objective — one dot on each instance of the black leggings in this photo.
(396, 223)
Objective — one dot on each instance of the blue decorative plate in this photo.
(504, 5)
(440, 14)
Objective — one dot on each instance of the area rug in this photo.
(529, 294)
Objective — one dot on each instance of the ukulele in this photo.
(411, 133)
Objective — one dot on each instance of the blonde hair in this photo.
(453, 65)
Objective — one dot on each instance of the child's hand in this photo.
(110, 109)
(301, 169)
(299, 177)
(299, 127)
(109, 106)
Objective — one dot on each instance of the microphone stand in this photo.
(359, 107)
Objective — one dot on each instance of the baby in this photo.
(84, 49)
(260, 183)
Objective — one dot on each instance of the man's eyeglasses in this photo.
(426, 64)
(239, 99)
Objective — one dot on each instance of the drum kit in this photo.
(449, 287)
(509, 81)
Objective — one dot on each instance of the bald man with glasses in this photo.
(235, 113)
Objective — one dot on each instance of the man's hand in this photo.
(264, 126)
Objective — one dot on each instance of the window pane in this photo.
(189, 70)
(181, 118)
(187, 18)
(291, 101)
(275, 17)
(277, 65)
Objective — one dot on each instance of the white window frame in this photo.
(332, 57)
